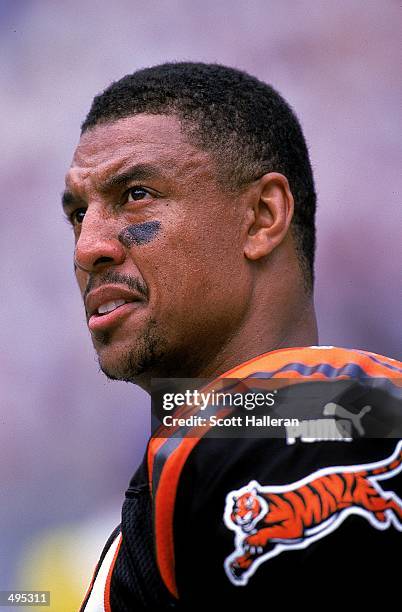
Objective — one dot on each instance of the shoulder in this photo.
(195, 481)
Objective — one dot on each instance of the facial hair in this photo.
(146, 355)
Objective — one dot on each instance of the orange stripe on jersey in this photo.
(335, 357)
(386, 360)
(164, 508)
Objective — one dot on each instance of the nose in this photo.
(97, 246)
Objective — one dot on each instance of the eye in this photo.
(137, 193)
(77, 216)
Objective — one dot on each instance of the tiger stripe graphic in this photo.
(269, 520)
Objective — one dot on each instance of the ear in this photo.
(269, 214)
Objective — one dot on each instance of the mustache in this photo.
(115, 278)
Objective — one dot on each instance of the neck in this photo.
(294, 326)
(296, 331)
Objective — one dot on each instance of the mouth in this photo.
(99, 322)
(245, 524)
(107, 306)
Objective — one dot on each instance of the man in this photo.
(192, 202)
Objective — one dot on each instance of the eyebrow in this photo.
(139, 172)
(69, 200)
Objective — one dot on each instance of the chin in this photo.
(129, 360)
(121, 364)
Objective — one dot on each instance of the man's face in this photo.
(157, 248)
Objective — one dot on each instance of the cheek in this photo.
(139, 233)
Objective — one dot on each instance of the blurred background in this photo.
(69, 439)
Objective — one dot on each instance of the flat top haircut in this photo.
(243, 122)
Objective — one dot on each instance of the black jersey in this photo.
(229, 522)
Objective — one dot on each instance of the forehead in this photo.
(109, 147)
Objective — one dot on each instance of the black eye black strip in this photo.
(139, 233)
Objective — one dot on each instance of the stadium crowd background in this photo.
(69, 439)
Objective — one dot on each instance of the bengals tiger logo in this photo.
(269, 520)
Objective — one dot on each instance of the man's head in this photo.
(192, 198)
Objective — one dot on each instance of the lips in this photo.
(108, 304)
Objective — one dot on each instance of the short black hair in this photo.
(246, 123)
